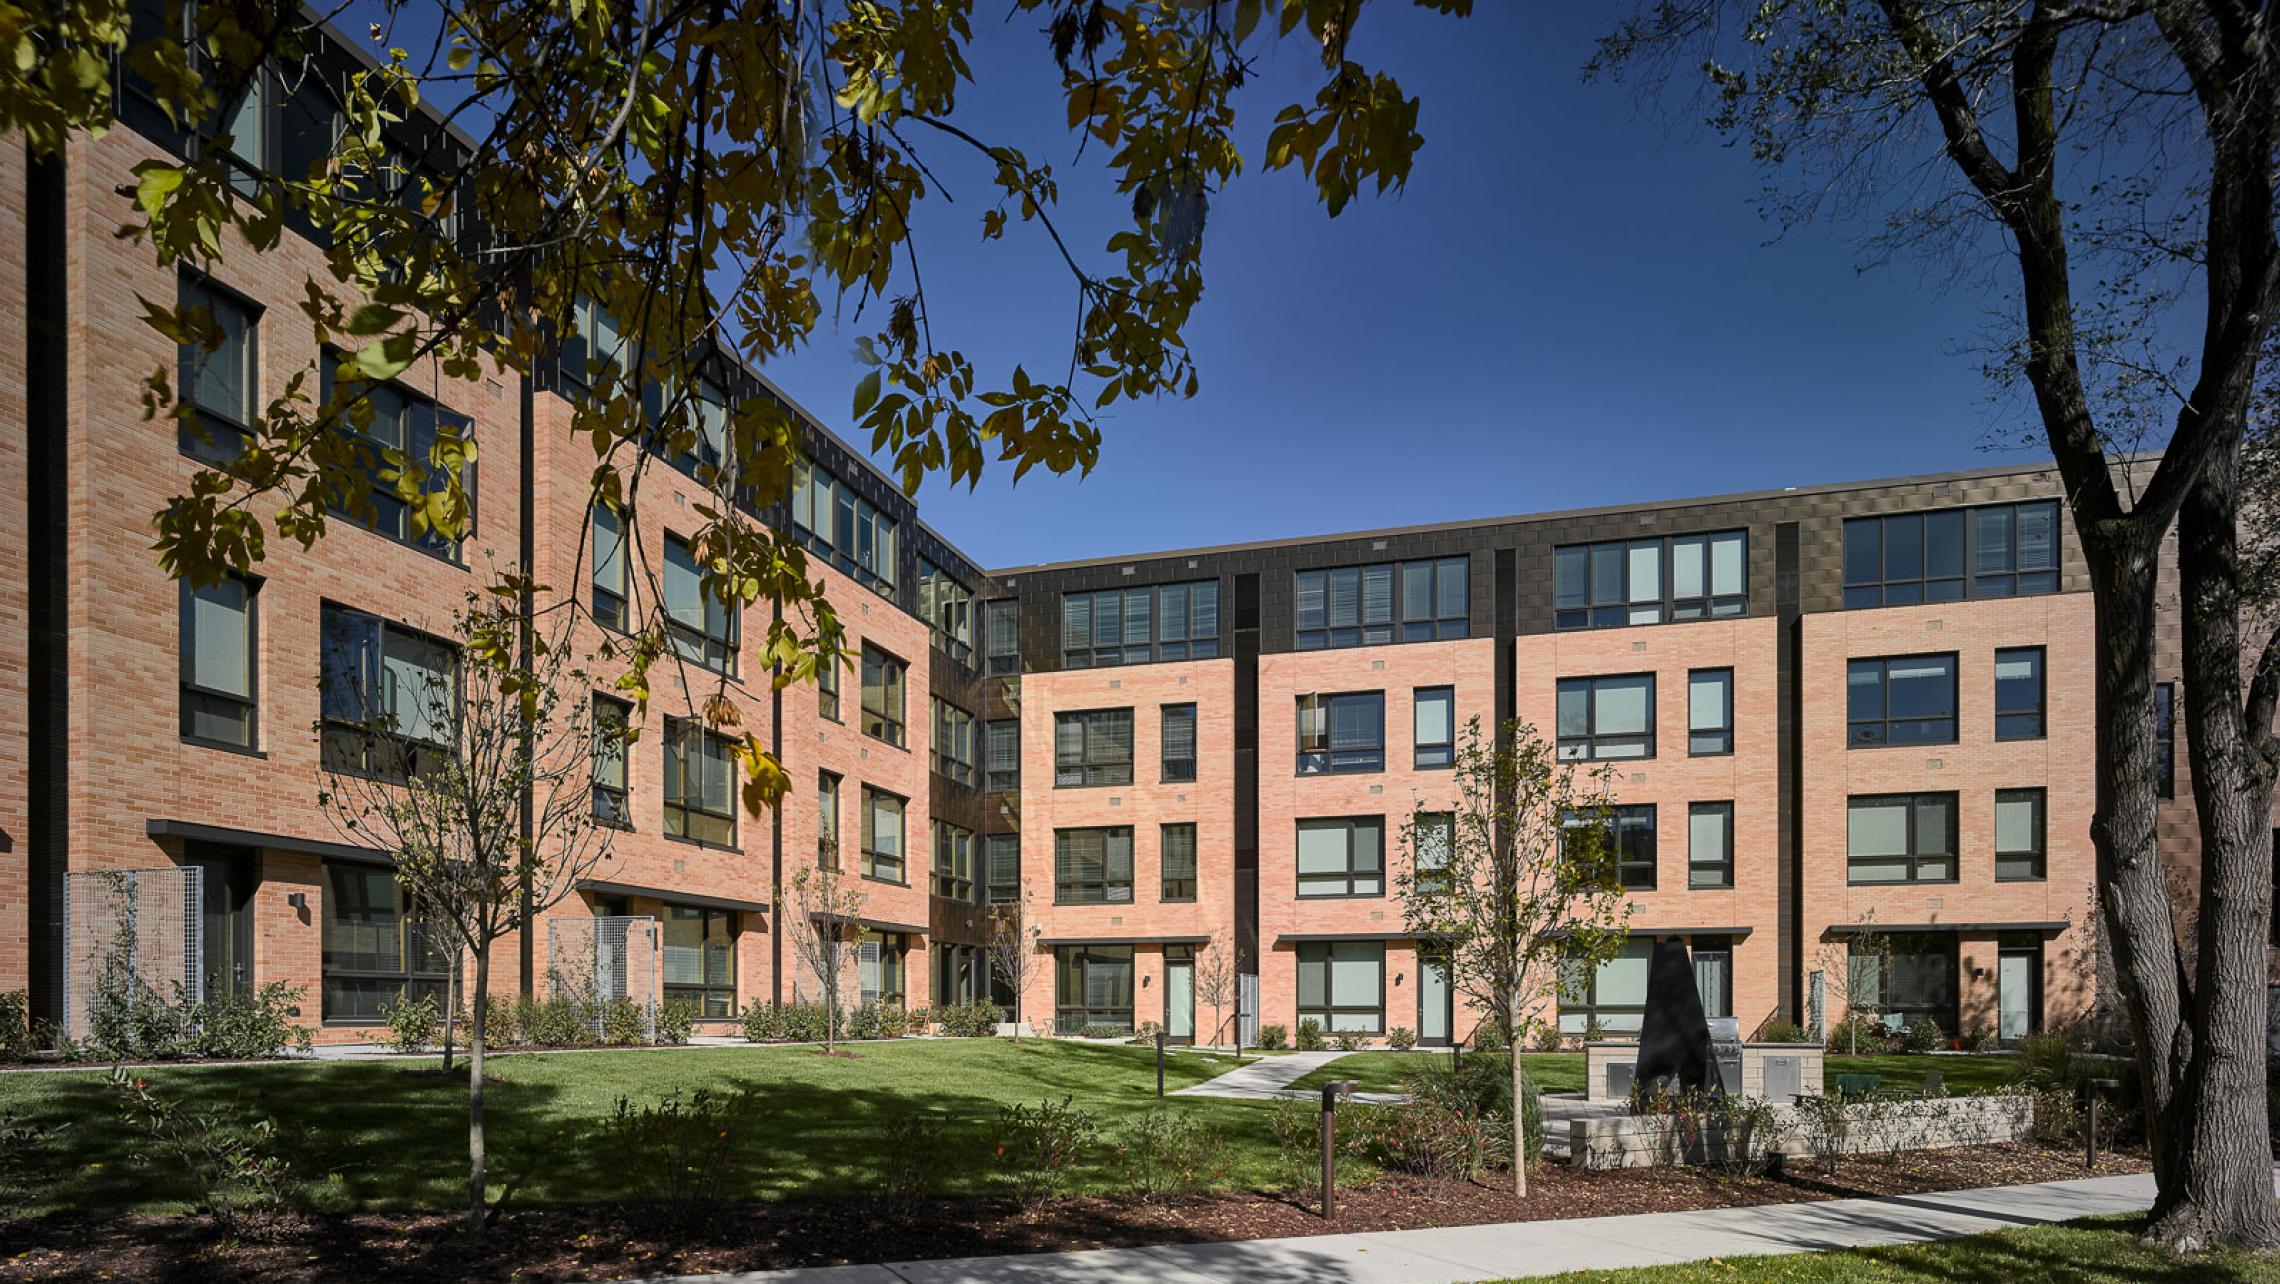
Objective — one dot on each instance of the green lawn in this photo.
(394, 1134)
(1390, 1071)
(2102, 1251)
(1961, 1074)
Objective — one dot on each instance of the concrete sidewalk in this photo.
(1454, 1253)
(1270, 1079)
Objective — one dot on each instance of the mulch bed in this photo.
(602, 1243)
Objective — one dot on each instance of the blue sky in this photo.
(1572, 304)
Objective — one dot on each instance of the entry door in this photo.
(1435, 1004)
(1179, 1000)
(2018, 983)
(227, 916)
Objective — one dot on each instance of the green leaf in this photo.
(866, 393)
(154, 182)
(373, 318)
(388, 358)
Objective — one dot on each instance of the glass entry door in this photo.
(2018, 985)
(1436, 1004)
(1179, 998)
(227, 918)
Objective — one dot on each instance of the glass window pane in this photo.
(2015, 821)
(1571, 572)
(1646, 571)
(1622, 980)
(2038, 537)
(1992, 541)
(1575, 708)
(1706, 834)
(1943, 545)
(220, 659)
(1877, 827)
(1864, 550)
(1606, 574)
(1904, 547)
(1452, 588)
(1706, 699)
(1729, 576)
(1623, 705)
(1689, 569)
(1321, 847)
(1435, 713)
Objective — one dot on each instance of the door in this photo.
(1179, 999)
(1436, 1010)
(226, 918)
(2018, 986)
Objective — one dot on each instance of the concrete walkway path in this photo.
(1520, 1249)
(1264, 1079)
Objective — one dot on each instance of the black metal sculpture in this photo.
(1674, 1036)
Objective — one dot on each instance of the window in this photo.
(2165, 741)
(700, 784)
(1004, 860)
(1388, 602)
(611, 717)
(1612, 996)
(1340, 733)
(1434, 732)
(590, 346)
(1140, 625)
(702, 626)
(1342, 856)
(390, 697)
(1909, 558)
(827, 819)
(2018, 835)
(1001, 637)
(1611, 717)
(827, 689)
(1178, 862)
(953, 755)
(879, 967)
(1713, 958)
(1092, 866)
(1710, 844)
(1624, 582)
(1901, 838)
(882, 695)
(1092, 747)
(948, 607)
(1435, 838)
(953, 862)
(883, 836)
(1002, 754)
(1915, 981)
(2019, 694)
(1905, 700)
(412, 429)
(610, 578)
(1177, 742)
(701, 414)
(843, 526)
(961, 974)
(700, 959)
(1341, 984)
(1632, 839)
(374, 948)
(219, 386)
(1709, 712)
(220, 648)
(1092, 986)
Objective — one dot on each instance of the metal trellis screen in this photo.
(596, 962)
(1247, 1008)
(132, 933)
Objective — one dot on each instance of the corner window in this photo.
(953, 755)
(700, 784)
(1381, 604)
(1904, 559)
(1647, 581)
(1092, 866)
(1434, 733)
(700, 959)
(1902, 700)
(953, 862)
(1341, 985)
(1140, 625)
(219, 385)
(375, 947)
(703, 628)
(1177, 862)
(1607, 718)
(1900, 838)
(827, 819)
(1002, 754)
(948, 609)
(390, 697)
(611, 717)
(1341, 856)
(882, 695)
(403, 432)
(2019, 694)
(843, 526)
(1092, 747)
(219, 648)
(2019, 831)
(1341, 733)
(883, 836)
(610, 575)
(1709, 712)
(1710, 844)
(1177, 743)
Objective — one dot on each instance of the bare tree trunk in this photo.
(450, 1013)
(1519, 1102)
(475, 1155)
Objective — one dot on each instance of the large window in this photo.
(2019, 713)
(1341, 984)
(374, 949)
(1633, 841)
(842, 525)
(948, 608)
(1388, 602)
(1001, 637)
(220, 645)
(1911, 558)
(953, 755)
(1092, 986)
(953, 862)
(883, 857)
(1340, 733)
(404, 431)
(1612, 717)
(2165, 743)
(2019, 833)
(1004, 867)
(1901, 838)
(1092, 747)
(390, 697)
(1092, 866)
(880, 972)
(1177, 863)
(827, 819)
(610, 567)
(700, 784)
(1914, 980)
(1341, 856)
(1434, 837)
(1177, 742)
(1647, 581)
(1138, 625)
(1709, 712)
(699, 418)
(827, 689)
(702, 626)
(1434, 727)
(1001, 754)
(1612, 996)
(1710, 844)
(882, 695)
(611, 723)
(1902, 700)
(1713, 958)
(700, 959)
(219, 385)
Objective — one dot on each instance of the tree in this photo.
(2114, 164)
(832, 910)
(1012, 951)
(1860, 961)
(429, 755)
(1516, 887)
(1215, 984)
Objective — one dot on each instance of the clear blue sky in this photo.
(1572, 304)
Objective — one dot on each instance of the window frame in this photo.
(1970, 580)
(1178, 891)
(339, 736)
(191, 691)
(1073, 891)
(1915, 857)
(879, 723)
(866, 524)
(190, 359)
(372, 457)
(1324, 955)
(1721, 870)
(827, 699)
(1587, 747)
(621, 793)
(830, 829)
(611, 602)
(2040, 713)
(705, 992)
(1352, 873)
(1171, 771)
(954, 760)
(410, 950)
(1091, 773)
(949, 882)
(1005, 663)
(1076, 961)
(1093, 651)
(673, 796)
(875, 858)
(1397, 625)
(1432, 755)
(2038, 855)
(1431, 878)
(992, 846)
(1719, 736)
(1001, 772)
(1327, 758)
(1855, 724)
(713, 642)
(947, 606)
(2165, 748)
(1627, 608)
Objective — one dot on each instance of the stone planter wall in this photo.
(1600, 1058)
(1659, 1141)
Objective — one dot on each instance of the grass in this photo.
(1389, 1071)
(2098, 1251)
(1961, 1074)
(393, 1135)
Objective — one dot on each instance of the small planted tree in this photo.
(833, 911)
(1859, 961)
(1215, 984)
(1010, 949)
(1515, 885)
(432, 750)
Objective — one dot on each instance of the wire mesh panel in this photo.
(132, 934)
(1817, 1009)
(1247, 1008)
(601, 962)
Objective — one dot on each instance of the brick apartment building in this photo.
(1829, 708)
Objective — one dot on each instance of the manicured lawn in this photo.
(2102, 1251)
(1390, 1071)
(1961, 1074)
(394, 1134)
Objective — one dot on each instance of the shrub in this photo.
(1146, 1032)
(1978, 1039)
(1593, 1031)
(2045, 1060)
(1774, 1030)
(1548, 1037)
(1098, 1030)
(1401, 1038)
(414, 1025)
(1272, 1038)
(676, 1021)
(1309, 1035)
(1857, 1030)
(1489, 1037)
(623, 1022)
(2058, 1116)
(1039, 1147)
(244, 1186)
(253, 1026)
(1166, 1152)
(556, 1022)
(968, 1020)
(677, 1152)
(16, 1041)
(763, 1022)
(25, 1158)
(1731, 1136)
(1348, 1041)
(1825, 1124)
(1923, 1036)
(918, 1153)
(1297, 1129)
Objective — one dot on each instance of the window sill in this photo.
(2017, 740)
(889, 882)
(1709, 887)
(1950, 742)
(1177, 780)
(1909, 882)
(1303, 774)
(699, 842)
(619, 826)
(1113, 784)
(2023, 878)
(1720, 753)
(455, 561)
(1339, 896)
(1177, 900)
(896, 745)
(224, 746)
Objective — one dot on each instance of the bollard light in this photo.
(1330, 1094)
(2096, 1090)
